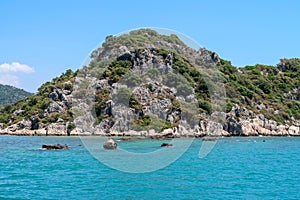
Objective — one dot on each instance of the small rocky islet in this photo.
(166, 95)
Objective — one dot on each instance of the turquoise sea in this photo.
(236, 168)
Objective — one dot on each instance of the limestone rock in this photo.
(53, 96)
(18, 112)
(247, 129)
(282, 130)
(56, 129)
(54, 107)
(12, 128)
(271, 125)
(293, 130)
(168, 131)
(24, 124)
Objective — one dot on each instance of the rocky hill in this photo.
(10, 94)
(147, 84)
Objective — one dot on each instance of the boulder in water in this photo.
(110, 144)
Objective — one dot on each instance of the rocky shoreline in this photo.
(121, 135)
(167, 134)
(238, 122)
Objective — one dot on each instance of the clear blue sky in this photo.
(54, 35)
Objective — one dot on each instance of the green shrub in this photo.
(71, 126)
(205, 106)
(256, 72)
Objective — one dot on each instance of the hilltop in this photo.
(146, 84)
(10, 94)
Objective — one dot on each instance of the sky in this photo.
(39, 40)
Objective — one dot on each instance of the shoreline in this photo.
(129, 137)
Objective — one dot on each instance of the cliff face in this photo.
(146, 84)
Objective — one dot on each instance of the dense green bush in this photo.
(205, 106)
(116, 70)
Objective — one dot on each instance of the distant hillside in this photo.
(10, 94)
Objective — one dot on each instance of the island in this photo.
(147, 84)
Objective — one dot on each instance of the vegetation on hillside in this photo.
(265, 85)
(139, 38)
(261, 88)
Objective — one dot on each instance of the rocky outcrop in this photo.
(55, 107)
(34, 122)
(236, 123)
(24, 124)
(56, 129)
(59, 94)
(242, 122)
(18, 112)
(293, 95)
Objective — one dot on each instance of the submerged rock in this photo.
(110, 144)
(54, 146)
(166, 145)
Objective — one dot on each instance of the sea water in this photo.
(236, 168)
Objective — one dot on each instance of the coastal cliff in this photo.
(147, 84)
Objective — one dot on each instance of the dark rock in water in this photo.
(110, 144)
(54, 146)
(166, 145)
